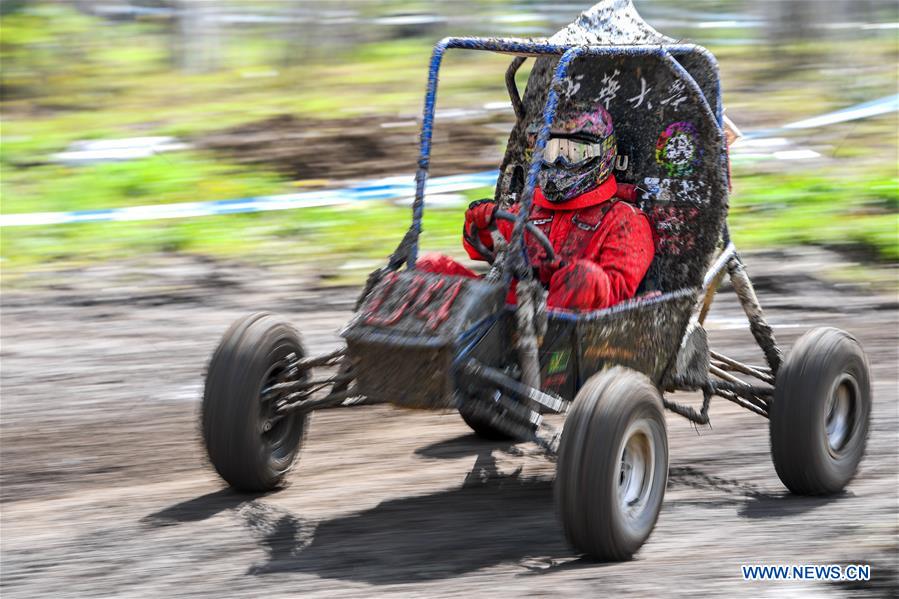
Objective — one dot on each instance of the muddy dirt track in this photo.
(105, 491)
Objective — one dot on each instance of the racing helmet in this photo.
(580, 153)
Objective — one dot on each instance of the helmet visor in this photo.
(572, 151)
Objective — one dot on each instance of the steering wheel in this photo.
(475, 239)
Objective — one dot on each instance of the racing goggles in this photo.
(573, 151)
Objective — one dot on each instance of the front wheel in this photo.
(820, 413)
(613, 465)
(250, 445)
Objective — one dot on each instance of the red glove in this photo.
(480, 214)
(579, 285)
(627, 192)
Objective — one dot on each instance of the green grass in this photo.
(788, 209)
(165, 178)
(67, 77)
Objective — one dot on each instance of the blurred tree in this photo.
(790, 20)
(298, 30)
(43, 49)
(197, 40)
(8, 7)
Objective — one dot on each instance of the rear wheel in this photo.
(249, 443)
(478, 413)
(613, 465)
(820, 413)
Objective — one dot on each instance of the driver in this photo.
(603, 242)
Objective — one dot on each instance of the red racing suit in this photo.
(604, 245)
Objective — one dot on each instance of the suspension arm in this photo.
(494, 378)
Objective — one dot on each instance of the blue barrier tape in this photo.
(396, 187)
(878, 107)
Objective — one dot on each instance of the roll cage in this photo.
(407, 252)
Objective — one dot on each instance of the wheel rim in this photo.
(636, 467)
(840, 414)
(276, 429)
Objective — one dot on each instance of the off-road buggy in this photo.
(452, 343)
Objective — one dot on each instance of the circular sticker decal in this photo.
(677, 149)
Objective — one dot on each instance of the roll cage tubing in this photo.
(568, 54)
